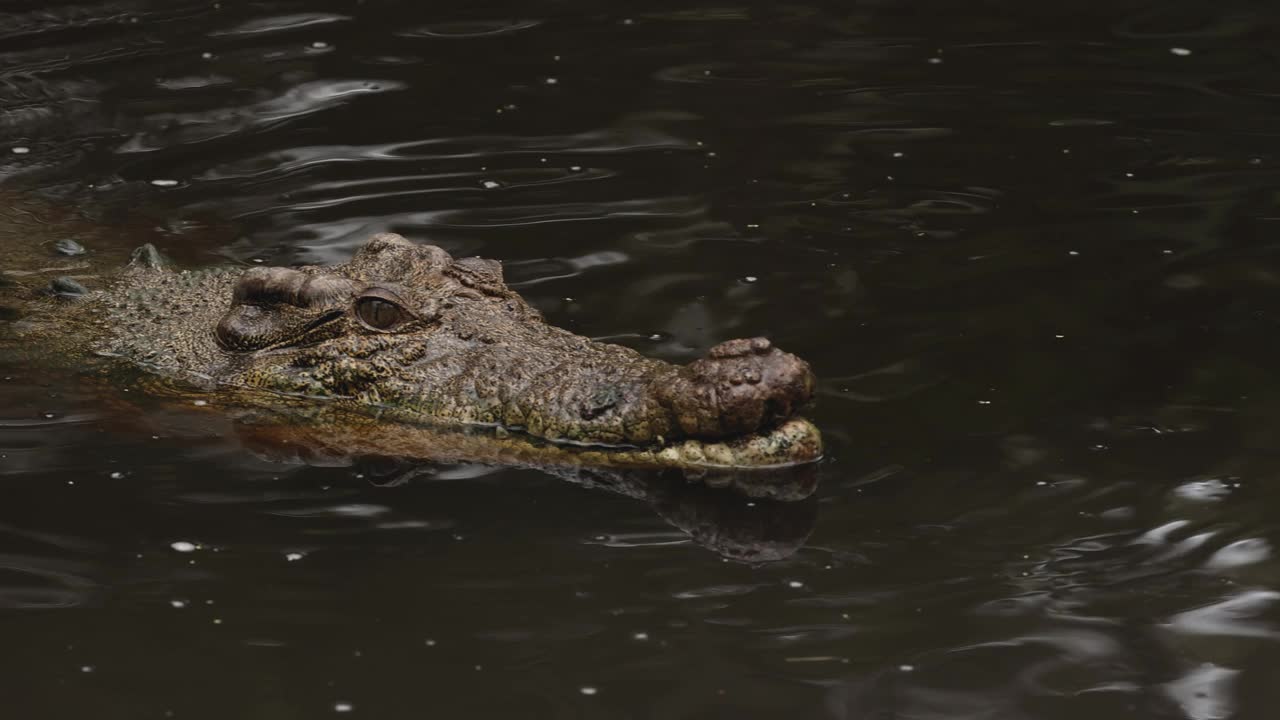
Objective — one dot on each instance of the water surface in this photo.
(1029, 250)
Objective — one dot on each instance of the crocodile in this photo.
(407, 351)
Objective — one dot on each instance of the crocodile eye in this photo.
(379, 314)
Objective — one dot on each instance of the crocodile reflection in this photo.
(728, 524)
(769, 518)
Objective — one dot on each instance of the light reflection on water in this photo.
(1026, 248)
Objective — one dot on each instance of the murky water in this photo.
(1030, 251)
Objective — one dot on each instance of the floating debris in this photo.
(67, 287)
(69, 247)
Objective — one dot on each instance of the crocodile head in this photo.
(407, 332)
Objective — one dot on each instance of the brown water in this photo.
(1030, 251)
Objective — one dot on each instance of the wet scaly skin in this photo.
(405, 332)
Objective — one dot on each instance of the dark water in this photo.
(1031, 252)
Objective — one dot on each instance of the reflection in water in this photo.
(731, 525)
(746, 515)
(1028, 248)
(735, 527)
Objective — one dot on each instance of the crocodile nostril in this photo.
(599, 403)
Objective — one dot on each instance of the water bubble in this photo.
(343, 707)
(178, 603)
(117, 475)
(294, 556)
(491, 184)
(20, 150)
(1180, 51)
(551, 81)
(183, 546)
(164, 182)
(750, 278)
(588, 690)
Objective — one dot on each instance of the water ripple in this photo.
(1239, 553)
(280, 23)
(295, 102)
(37, 581)
(469, 30)
(1205, 692)
(1235, 616)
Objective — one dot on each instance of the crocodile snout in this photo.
(741, 386)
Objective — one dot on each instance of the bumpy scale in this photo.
(405, 332)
